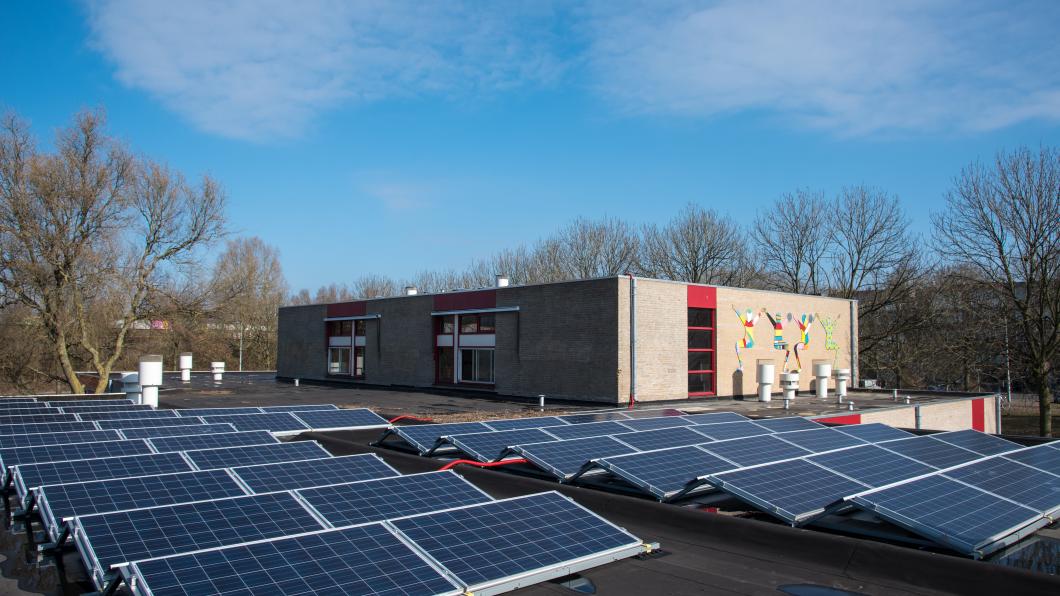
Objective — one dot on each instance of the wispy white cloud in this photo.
(260, 69)
(848, 67)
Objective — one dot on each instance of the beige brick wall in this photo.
(900, 417)
(662, 340)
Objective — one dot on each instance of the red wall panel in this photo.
(851, 419)
(466, 300)
(979, 414)
(348, 309)
(702, 297)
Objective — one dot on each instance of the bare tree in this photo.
(792, 240)
(249, 278)
(599, 248)
(374, 285)
(88, 230)
(1004, 222)
(698, 245)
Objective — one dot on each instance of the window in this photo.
(358, 362)
(445, 366)
(445, 325)
(336, 328)
(701, 351)
(480, 323)
(339, 361)
(476, 366)
(359, 327)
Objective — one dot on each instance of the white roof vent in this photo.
(502, 281)
(411, 291)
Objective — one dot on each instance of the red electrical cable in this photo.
(478, 464)
(408, 417)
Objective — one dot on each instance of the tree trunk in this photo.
(104, 376)
(1045, 403)
(68, 367)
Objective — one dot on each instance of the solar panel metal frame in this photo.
(157, 432)
(615, 466)
(930, 443)
(721, 430)
(39, 418)
(410, 435)
(653, 412)
(662, 438)
(215, 440)
(524, 423)
(714, 417)
(529, 452)
(977, 442)
(70, 451)
(782, 424)
(89, 402)
(719, 448)
(252, 483)
(589, 429)
(237, 419)
(74, 436)
(808, 441)
(466, 442)
(959, 474)
(307, 418)
(864, 473)
(26, 406)
(46, 427)
(1028, 456)
(121, 423)
(300, 408)
(593, 417)
(536, 575)
(200, 457)
(233, 411)
(642, 424)
(106, 408)
(129, 415)
(866, 431)
(23, 489)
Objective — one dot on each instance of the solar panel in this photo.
(1025, 485)
(302, 408)
(664, 472)
(518, 423)
(317, 472)
(13, 456)
(30, 411)
(367, 560)
(662, 438)
(229, 457)
(31, 406)
(655, 423)
(79, 436)
(787, 424)
(216, 411)
(594, 417)
(564, 458)
(89, 402)
(7, 399)
(873, 432)
(176, 431)
(546, 535)
(106, 408)
(424, 436)
(385, 498)
(931, 451)
(821, 439)
(37, 418)
(148, 422)
(108, 539)
(588, 429)
(750, 451)
(1041, 457)
(981, 443)
(339, 419)
(233, 439)
(60, 502)
(871, 465)
(33, 428)
(30, 476)
(653, 413)
(731, 430)
(794, 491)
(129, 415)
(715, 417)
(962, 517)
(274, 422)
(488, 446)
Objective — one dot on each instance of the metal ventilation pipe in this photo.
(632, 340)
(501, 281)
(842, 378)
(150, 378)
(411, 291)
(789, 384)
(185, 367)
(130, 382)
(218, 370)
(766, 370)
(822, 371)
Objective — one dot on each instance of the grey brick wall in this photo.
(300, 350)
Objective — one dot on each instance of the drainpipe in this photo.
(632, 340)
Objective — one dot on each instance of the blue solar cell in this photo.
(366, 560)
(564, 458)
(931, 451)
(424, 436)
(731, 430)
(229, 457)
(89, 402)
(594, 417)
(106, 408)
(14, 456)
(317, 472)
(664, 472)
(30, 476)
(871, 465)
(1042, 457)
(61, 502)
(274, 422)
(1025, 485)
(15, 400)
(750, 451)
(77, 436)
(233, 439)
(31, 411)
(339, 419)
(109, 539)
(129, 415)
(217, 411)
(176, 431)
(148, 422)
(31, 406)
(715, 417)
(655, 423)
(588, 429)
(653, 413)
(949, 512)
(37, 418)
(519, 423)
(981, 443)
(45, 427)
(821, 439)
(781, 425)
(301, 408)
(662, 438)
(386, 498)
(873, 432)
(513, 537)
(794, 491)
(488, 446)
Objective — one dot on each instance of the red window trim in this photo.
(698, 299)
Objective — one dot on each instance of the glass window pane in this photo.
(700, 317)
(701, 361)
(468, 323)
(445, 365)
(339, 361)
(467, 365)
(445, 326)
(701, 383)
(700, 338)
(484, 372)
(360, 327)
(358, 362)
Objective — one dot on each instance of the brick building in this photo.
(571, 340)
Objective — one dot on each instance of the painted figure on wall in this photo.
(803, 322)
(779, 343)
(828, 324)
(748, 319)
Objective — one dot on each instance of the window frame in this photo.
(711, 350)
(348, 361)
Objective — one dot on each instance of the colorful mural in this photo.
(803, 322)
(830, 344)
(748, 319)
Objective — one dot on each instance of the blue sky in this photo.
(394, 137)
